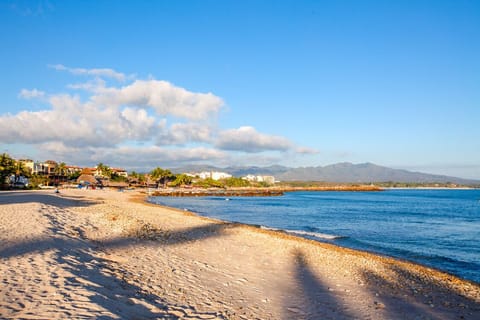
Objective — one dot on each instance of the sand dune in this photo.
(107, 255)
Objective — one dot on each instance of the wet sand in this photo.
(109, 255)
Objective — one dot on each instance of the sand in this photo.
(108, 255)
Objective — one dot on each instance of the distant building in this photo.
(28, 164)
(250, 177)
(97, 172)
(266, 179)
(89, 171)
(44, 168)
(50, 164)
(215, 175)
(73, 169)
(120, 172)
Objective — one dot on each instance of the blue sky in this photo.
(301, 83)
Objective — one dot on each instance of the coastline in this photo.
(285, 234)
(186, 265)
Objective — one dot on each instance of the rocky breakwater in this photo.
(184, 192)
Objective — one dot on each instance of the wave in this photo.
(307, 234)
(318, 235)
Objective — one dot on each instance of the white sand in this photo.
(95, 254)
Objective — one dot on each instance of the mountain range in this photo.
(339, 172)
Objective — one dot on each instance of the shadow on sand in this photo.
(408, 295)
(316, 299)
(105, 283)
(45, 197)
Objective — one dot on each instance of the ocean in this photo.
(436, 228)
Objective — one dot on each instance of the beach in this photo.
(84, 254)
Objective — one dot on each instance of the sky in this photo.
(141, 84)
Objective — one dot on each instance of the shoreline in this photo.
(297, 237)
(328, 239)
(159, 262)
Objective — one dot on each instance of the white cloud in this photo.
(164, 98)
(182, 133)
(306, 150)
(248, 139)
(31, 94)
(97, 72)
(141, 123)
(144, 158)
(94, 85)
(78, 124)
(156, 156)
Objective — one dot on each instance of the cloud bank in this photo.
(137, 123)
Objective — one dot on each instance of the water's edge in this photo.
(332, 239)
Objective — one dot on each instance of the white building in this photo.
(215, 175)
(266, 179)
(120, 171)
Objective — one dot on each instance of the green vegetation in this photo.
(60, 169)
(74, 175)
(117, 178)
(136, 178)
(9, 167)
(209, 183)
(36, 180)
(181, 180)
(161, 175)
(263, 184)
(104, 170)
(19, 170)
(235, 182)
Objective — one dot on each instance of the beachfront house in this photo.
(28, 164)
(42, 168)
(73, 169)
(120, 172)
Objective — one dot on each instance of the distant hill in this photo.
(365, 172)
(339, 172)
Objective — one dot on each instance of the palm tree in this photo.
(104, 170)
(159, 175)
(60, 170)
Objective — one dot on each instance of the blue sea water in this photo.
(437, 228)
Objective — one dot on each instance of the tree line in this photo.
(12, 170)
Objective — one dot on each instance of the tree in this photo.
(60, 170)
(7, 168)
(209, 183)
(236, 182)
(182, 180)
(19, 170)
(138, 177)
(36, 180)
(104, 170)
(117, 178)
(74, 175)
(161, 175)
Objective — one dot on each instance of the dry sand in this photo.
(107, 255)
